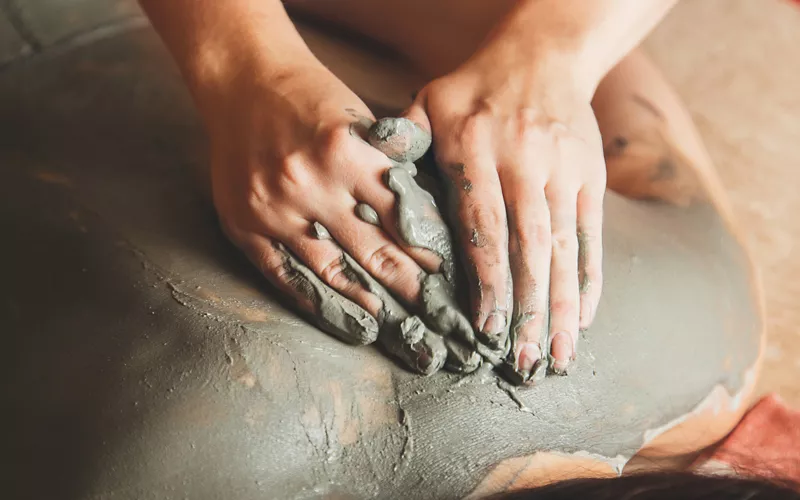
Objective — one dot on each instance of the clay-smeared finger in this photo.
(590, 253)
(378, 255)
(400, 139)
(461, 358)
(326, 259)
(408, 213)
(422, 228)
(332, 312)
(564, 296)
(530, 254)
(404, 336)
(416, 346)
(431, 294)
(443, 315)
(483, 232)
(379, 207)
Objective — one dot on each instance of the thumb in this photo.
(404, 139)
(417, 112)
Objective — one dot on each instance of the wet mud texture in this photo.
(144, 357)
(420, 224)
(402, 335)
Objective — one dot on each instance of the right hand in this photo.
(285, 154)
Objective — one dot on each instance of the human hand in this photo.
(290, 173)
(519, 142)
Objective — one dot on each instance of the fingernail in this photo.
(495, 325)
(528, 355)
(429, 358)
(561, 352)
(424, 360)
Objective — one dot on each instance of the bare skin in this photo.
(514, 120)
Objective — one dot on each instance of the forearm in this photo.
(214, 42)
(590, 36)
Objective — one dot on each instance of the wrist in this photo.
(554, 41)
(223, 68)
(536, 66)
(220, 45)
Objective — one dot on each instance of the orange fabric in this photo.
(766, 444)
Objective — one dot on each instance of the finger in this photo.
(564, 295)
(402, 335)
(416, 346)
(416, 112)
(415, 221)
(401, 139)
(460, 357)
(377, 254)
(484, 239)
(327, 260)
(590, 252)
(332, 312)
(379, 207)
(530, 253)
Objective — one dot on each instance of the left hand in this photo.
(519, 141)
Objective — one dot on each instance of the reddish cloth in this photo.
(766, 443)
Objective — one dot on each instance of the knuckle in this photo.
(255, 200)
(529, 125)
(294, 176)
(486, 220)
(256, 215)
(533, 236)
(473, 126)
(275, 267)
(564, 241)
(334, 274)
(563, 307)
(334, 141)
(385, 263)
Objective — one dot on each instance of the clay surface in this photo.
(145, 357)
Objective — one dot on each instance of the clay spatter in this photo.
(368, 214)
(320, 231)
